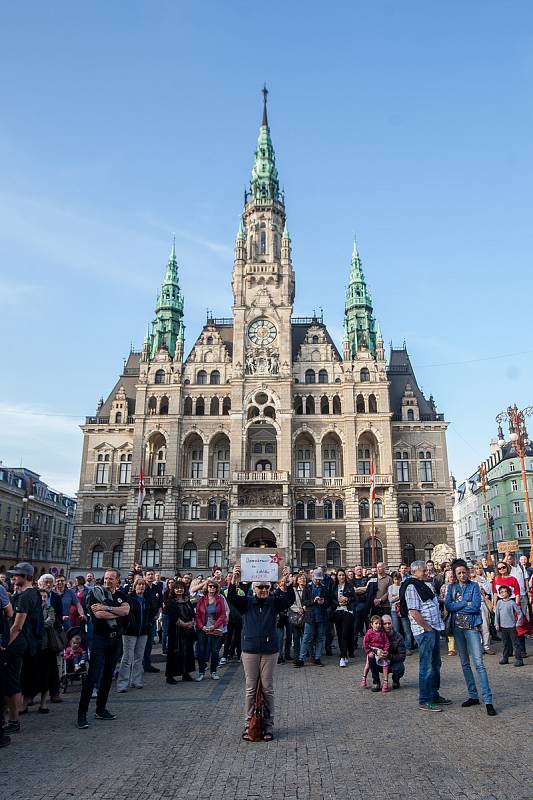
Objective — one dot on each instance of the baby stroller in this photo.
(74, 673)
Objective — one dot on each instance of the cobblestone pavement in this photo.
(333, 740)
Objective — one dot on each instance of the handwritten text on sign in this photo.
(259, 566)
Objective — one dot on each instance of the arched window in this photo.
(159, 510)
(428, 551)
(308, 557)
(152, 405)
(298, 405)
(262, 243)
(187, 407)
(323, 376)
(367, 551)
(311, 509)
(300, 510)
(150, 553)
(209, 340)
(214, 378)
(403, 512)
(372, 404)
(333, 554)
(409, 553)
(314, 340)
(410, 415)
(98, 515)
(214, 555)
(200, 407)
(163, 405)
(201, 377)
(324, 405)
(214, 407)
(337, 405)
(118, 418)
(360, 404)
(364, 508)
(430, 512)
(111, 515)
(328, 509)
(339, 509)
(122, 514)
(309, 405)
(116, 557)
(364, 375)
(416, 510)
(190, 555)
(159, 376)
(310, 376)
(97, 557)
(226, 406)
(145, 511)
(378, 508)
(212, 509)
(223, 510)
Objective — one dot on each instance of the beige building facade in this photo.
(264, 434)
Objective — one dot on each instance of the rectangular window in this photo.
(402, 471)
(511, 467)
(426, 472)
(516, 506)
(8, 513)
(161, 468)
(125, 472)
(330, 469)
(195, 511)
(102, 473)
(304, 469)
(196, 469)
(363, 467)
(223, 469)
(514, 486)
(518, 528)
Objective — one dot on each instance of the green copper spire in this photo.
(240, 233)
(286, 234)
(359, 324)
(264, 183)
(167, 328)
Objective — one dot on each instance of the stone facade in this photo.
(264, 435)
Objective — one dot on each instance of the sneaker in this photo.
(222, 662)
(343, 662)
(200, 677)
(94, 694)
(442, 701)
(429, 707)
(12, 727)
(518, 662)
(376, 687)
(82, 722)
(105, 714)
(215, 676)
(472, 701)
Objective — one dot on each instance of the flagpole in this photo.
(373, 533)
(140, 501)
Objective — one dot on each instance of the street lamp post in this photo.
(482, 472)
(519, 441)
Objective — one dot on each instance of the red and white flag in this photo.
(142, 490)
(372, 486)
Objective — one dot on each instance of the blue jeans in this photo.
(469, 644)
(407, 632)
(208, 648)
(428, 666)
(316, 631)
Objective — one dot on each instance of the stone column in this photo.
(205, 471)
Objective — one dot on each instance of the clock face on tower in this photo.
(261, 331)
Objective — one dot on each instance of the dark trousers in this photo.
(232, 640)
(360, 615)
(510, 643)
(284, 639)
(344, 628)
(296, 633)
(102, 662)
(396, 669)
(147, 658)
(329, 636)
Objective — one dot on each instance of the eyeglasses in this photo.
(502, 569)
(262, 586)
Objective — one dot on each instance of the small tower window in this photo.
(262, 243)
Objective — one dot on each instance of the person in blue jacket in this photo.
(260, 640)
(463, 602)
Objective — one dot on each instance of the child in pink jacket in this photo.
(376, 645)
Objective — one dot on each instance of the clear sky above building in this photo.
(408, 124)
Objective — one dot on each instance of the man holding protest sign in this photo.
(260, 641)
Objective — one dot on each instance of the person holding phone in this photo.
(260, 641)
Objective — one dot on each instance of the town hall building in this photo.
(265, 434)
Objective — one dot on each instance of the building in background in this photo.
(506, 510)
(36, 522)
(265, 434)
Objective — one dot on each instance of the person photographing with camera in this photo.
(260, 641)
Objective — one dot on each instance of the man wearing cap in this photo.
(315, 599)
(23, 638)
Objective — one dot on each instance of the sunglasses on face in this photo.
(502, 569)
(262, 587)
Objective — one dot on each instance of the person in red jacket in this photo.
(504, 578)
(211, 621)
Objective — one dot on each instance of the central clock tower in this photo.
(263, 278)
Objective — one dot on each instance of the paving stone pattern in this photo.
(333, 740)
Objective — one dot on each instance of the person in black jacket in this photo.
(343, 603)
(260, 641)
(136, 630)
(316, 599)
(181, 634)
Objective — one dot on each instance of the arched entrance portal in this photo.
(260, 537)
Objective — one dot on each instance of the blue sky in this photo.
(407, 123)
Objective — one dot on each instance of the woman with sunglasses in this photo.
(260, 641)
(504, 578)
(463, 602)
(211, 621)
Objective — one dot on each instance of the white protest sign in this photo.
(259, 567)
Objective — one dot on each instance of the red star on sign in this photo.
(275, 559)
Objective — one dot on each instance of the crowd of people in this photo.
(100, 631)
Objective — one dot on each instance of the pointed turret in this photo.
(359, 324)
(167, 329)
(264, 183)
